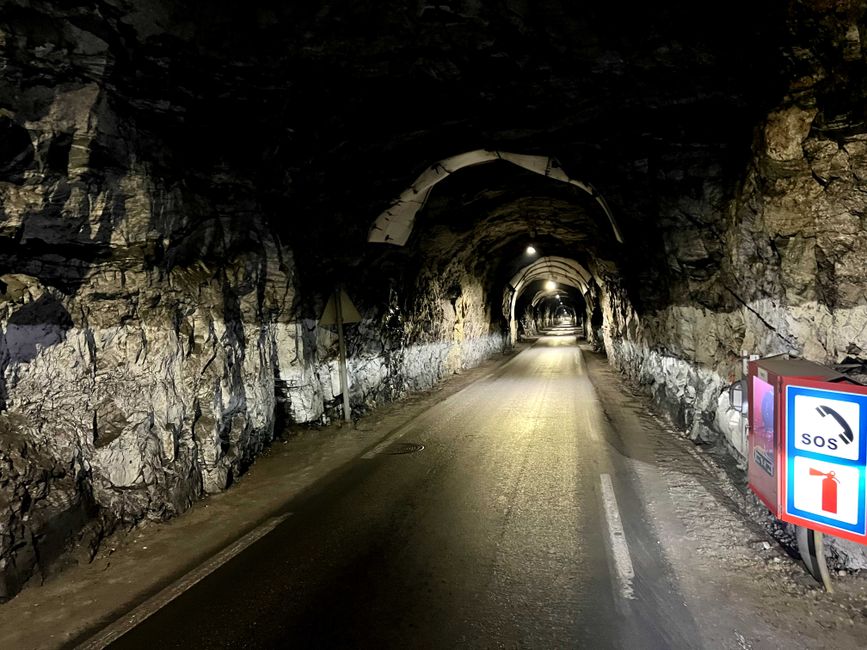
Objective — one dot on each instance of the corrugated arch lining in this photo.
(541, 295)
(395, 224)
(559, 269)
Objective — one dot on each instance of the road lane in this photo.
(494, 535)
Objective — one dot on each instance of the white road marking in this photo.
(617, 538)
(153, 604)
(592, 434)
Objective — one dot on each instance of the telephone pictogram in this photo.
(846, 435)
(829, 489)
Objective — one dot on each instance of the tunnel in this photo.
(185, 185)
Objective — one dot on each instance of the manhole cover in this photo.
(403, 448)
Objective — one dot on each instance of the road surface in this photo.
(519, 524)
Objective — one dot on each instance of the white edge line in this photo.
(592, 434)
(152, 605)
(617, 538)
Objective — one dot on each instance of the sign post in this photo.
(340, 310)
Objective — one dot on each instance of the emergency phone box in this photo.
(806, 451)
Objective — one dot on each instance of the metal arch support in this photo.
(395, 224)
(541, 295)
(561, 269)
(567, 271)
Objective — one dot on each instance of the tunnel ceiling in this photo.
(331, 109)
(496, 210)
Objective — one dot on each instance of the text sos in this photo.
(810, 440)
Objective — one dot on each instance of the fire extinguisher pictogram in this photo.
(829, 489)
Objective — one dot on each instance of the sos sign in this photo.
(824, 483)
(828, 427)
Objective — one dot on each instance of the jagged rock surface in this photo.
(179, 195)
(149, 335)
(775, 268)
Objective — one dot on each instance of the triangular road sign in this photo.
(348, 311)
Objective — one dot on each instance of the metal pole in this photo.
(812, 548)
(344, 379)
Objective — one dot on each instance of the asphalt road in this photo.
(500, 532)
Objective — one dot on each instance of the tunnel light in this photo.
(550, 285)
(531, 250)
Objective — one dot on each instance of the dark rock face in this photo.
(149, 316)
(756, 259)
(183, 184)
(138, 316)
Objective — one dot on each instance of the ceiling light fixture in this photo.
(550, 285)
(531, 250)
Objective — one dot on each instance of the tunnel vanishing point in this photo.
(184, 184)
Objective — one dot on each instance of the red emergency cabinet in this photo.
(806, 451)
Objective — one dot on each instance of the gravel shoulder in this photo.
(721, 540)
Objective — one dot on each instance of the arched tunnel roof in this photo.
(559, 269)
(315, 118)
(395, 224)
(541, 295)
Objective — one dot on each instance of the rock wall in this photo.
(527, 323)
(770, 264)
(138, 317)
(146, 339)
(131, 393)
(149, 327)
(437, 327)
(790, 273)
(129, 397)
